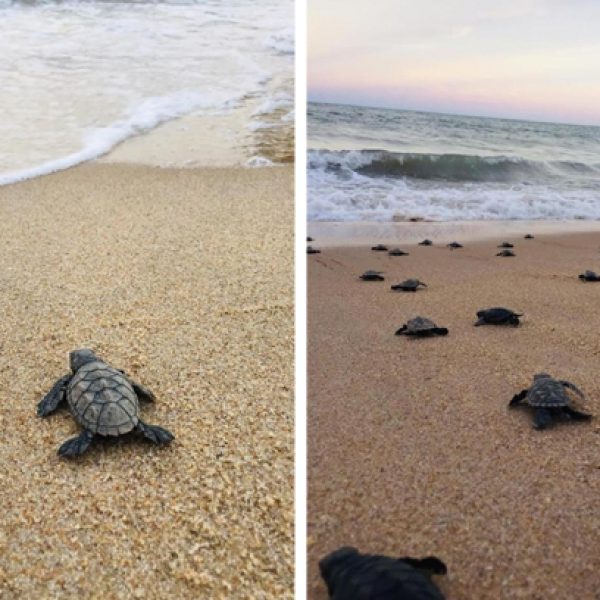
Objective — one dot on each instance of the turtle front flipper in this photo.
(77, 445)
(142, 392)
(542, 417)
(154, 433)
(573, 387)
(402, 330)
(54, 397)
(518, 397)
(576, 415)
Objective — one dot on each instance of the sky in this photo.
(522, 59)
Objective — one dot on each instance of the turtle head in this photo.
(539, 376)
(80, 357)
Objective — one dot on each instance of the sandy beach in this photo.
(412, 449)
(184, 278)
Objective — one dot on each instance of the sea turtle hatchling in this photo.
(351, 575)
(379, 248)
(589, 276)
(372, 276)
(506, 253)
(421, 327)
(528, 236)
(311, 250)
(426, 243)
(103, 400)
(397, 252)
(497, 316)
(409, 285)
(453, 245)
(549, 399)
(506, 245)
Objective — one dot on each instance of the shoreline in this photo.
(411, 447)
(150, 268)
(330, 234)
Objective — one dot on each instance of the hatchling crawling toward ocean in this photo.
(372, 276)
(497, 316)
(589, 276)
(409, 285)
(549, 399)
(350, 575)
(421, 327)
(506, 253)
(103, 400)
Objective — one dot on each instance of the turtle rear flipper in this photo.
(77, 445)
(576, 415)
(402, 330)
(54, 397)
(517, 398)
(542, 417)
(154, 433)
(573, 387)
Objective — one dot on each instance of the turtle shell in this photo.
(420, 324)
(102, 399)
(350, 574)
(547, 392)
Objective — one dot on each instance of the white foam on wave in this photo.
(275, 102)
(282, 42)
(259, 161)
(336, 192)
(140, 119)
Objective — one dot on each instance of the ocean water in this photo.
(371, 164)
(82, 77)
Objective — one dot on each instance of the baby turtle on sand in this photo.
(506, 253)
(379, 248)
(453, 245)
(589, 276)
(549, 399)
(311, 250)
(421, 327)
(350, 575)
(506, 245)
(410, 285)
(397, 252)
(528, 237)
(372, 276)
(103, 400)
(498, 316)
(309, 239)
(426, 243)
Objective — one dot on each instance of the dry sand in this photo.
(184, 278)
(412, 449)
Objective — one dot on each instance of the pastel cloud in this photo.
(536, 59)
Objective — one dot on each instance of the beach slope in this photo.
(412, 448)
(184, 278)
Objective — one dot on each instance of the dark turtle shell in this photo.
(498, 316)
(397, 252)
(506, 253)
(409, 285)
(372, 276)
(549, 392)
(528, 236)
(421, 326)
(505, 245)
(350, 575)
(379, 248)
(454, 245)
(311, 250)
(426, 243)
(102, 399)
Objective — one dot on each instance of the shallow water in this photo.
(80, 78)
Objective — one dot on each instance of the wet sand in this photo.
(184, 278)
(412, 449)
